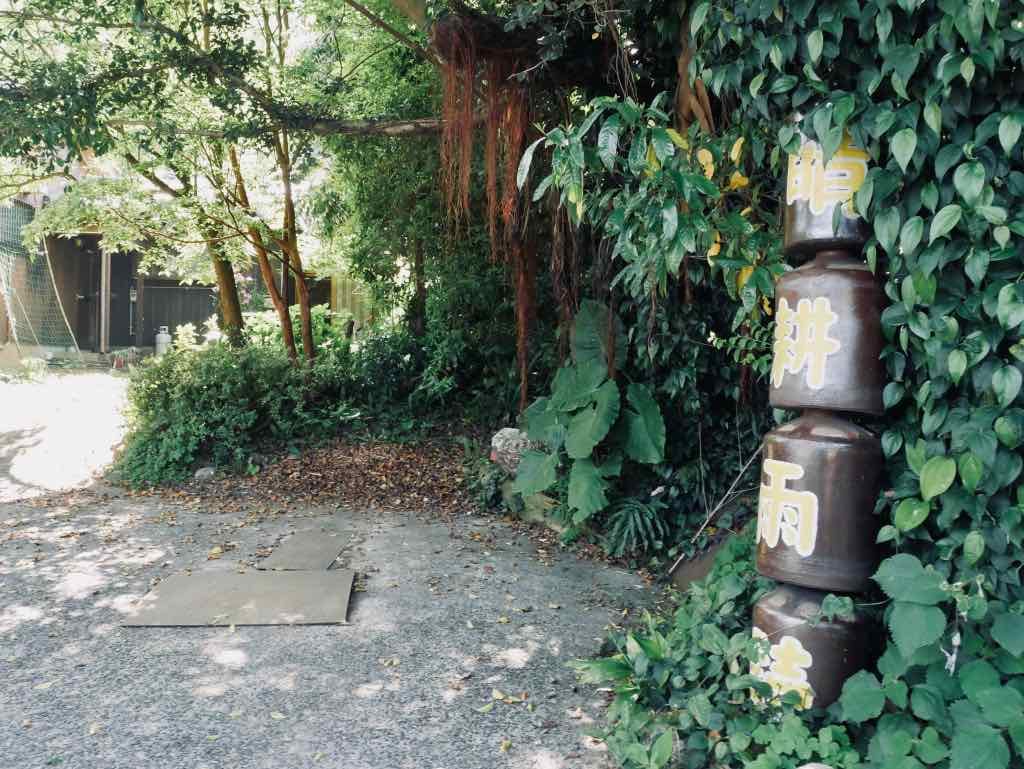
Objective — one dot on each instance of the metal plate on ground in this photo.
(306, 551)
(253, 598)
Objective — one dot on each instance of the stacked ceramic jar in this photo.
(816, 527)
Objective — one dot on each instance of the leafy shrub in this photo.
(264, 327)
(219, 403)
(689, 673)
(585, 425)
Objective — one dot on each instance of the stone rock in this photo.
(507, 447)
(206, 473)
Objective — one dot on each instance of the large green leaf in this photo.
(903, 578)
(903, 145)
(969, 181)
(1006, 382)
(524, 164)
(587, 490)
(589, 426)
(576, 385)
(1008, 632)
(645, 437)
(914, 626)
(979, 747)
(937, 476)
(594, 334)
(910, 513)
(537, 471)
(862, 698)
(608, 142)
(944, 222)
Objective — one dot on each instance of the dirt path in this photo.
(448, 614)
(57, 433)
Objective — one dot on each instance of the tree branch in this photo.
(378, 22)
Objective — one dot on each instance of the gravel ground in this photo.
(446, 614)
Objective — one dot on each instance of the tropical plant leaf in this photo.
(645, 437)
(590, 425)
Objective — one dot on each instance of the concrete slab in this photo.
(253, 598)
(306, 551)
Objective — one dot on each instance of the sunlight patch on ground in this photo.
(58, 433)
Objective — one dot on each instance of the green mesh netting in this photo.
(30, 300)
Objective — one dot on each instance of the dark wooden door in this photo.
(122, 277)
(87, 298)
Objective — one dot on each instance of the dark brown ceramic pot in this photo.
(811, 659)
(815, 191)
(828, 337)
(816, 526)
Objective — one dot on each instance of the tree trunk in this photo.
(263, 259)
(305, 314)
(418, 306)
(290, 245)
(230, 307)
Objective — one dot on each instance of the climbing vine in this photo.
(931, 90)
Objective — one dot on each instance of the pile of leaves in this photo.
(425, 476)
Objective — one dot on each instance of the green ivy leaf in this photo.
(700, 13)
(937, 476)
(903, 145)
(1008, 632)
(1006, 382)
(917, 455)
(1001, 705)
(661, 752)
(944, 222)
(967, 69)
(910, 235)
(815, 42)
(756, 83)
(1009, 132)
(974, 547)
(977, 676)
(969, 181)
(956, 361)
(887, 226)
(971, 469)
(1009, 308)
(914, 626)
(910, 513)
(862, 698)
(976, 265)
(933, 118)
(930, 748)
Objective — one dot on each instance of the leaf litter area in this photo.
(423, 477)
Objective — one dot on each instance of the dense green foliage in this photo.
(223, 404)
(209, 402)
(931, 90)
(589, 425)
(692, 263)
